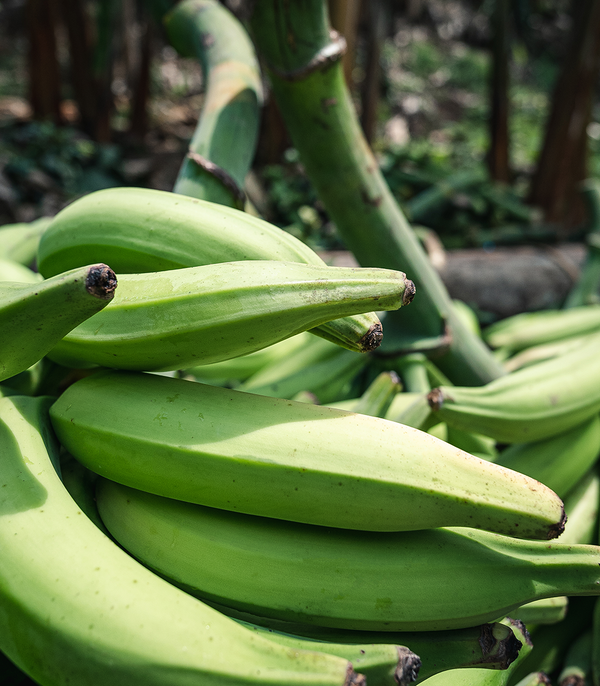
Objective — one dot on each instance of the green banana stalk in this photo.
(484, 677)
(19, 242)
(161, 321)
(383, 664)
(544, 326)
(144, 230)
(76, 609)
(295, 461)
(378, 396)
(492, 646)
(413, 372)
(558, 462)
(36, 316)
(529, 404)
(577, 666)
(435, 579)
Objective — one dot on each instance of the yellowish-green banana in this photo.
(10, 270)
(76, 609)
(529, 404)
(185, 317)
(145, 230)
(19, 242)
(279, 458)
(582, 504)
(544, 326)
(436, 579)
(545, 351)
(36, 316)
(559, 461)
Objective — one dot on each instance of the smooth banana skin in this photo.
(483, 677)
(476, 444)
(10, 270)
(378, 395)
(529, 404)
(145, 230)
(382, 664)
(558, 462)
(544, 611)
(488, 646)
(327, 380)
(436, 579)
(76, 609)
(35, 316)
(544, 326)
(545, 351)
(180, 318)
(291, 460)
(582, 505)
(237, 369)
(19, 242)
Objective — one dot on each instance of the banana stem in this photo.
(303, 59)
(224, 142)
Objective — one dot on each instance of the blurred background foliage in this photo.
(455, 97)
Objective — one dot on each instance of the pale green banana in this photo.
(35, 316)
(444, 578)
(535, 679)
(544, 611)
(544, 326)
(490, 646)
(578, 661)
(179, 318)
(468, 316)
(19, 242)
(529, 404)
(484, 677)
(81, 486)
(582, 504)
(76, 609)
(327, 380)
(278, 458)
(413, 370)
(238, 369)
(10, 270)
(545, 351)
(558, 462)
(379, 394)
(145, 230)
(476, 444)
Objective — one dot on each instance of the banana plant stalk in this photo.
(303, 59)
(222, 148)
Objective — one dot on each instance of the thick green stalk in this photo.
(224, 142)
(303, 59)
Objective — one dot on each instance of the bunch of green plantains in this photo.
(209, 476)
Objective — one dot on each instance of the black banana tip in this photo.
(408, 666)
(435, 398)
(101, 281)
(372, 339)
(409, 292)
(354, 678)
(556, 530)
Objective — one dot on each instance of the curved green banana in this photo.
(544, 611)
(11, 270)
(444, 578)
(544, 326)
(35, 316)
(238, 369)
(582, 505)
(383, 664)
(179, 318)
(273, 457)
(529, 404)
(19, 242)
(558, 462)
(490, 646)
(144, 230)
(76, 609)
(545, 351)
(577, 665)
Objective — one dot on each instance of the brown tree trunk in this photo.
(138, 126)
(44, 72)
(562, 163)
(498, 158)
(78, 28)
